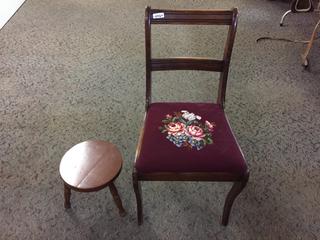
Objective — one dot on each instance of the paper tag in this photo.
(158, 15)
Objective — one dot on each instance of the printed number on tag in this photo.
(158, 15)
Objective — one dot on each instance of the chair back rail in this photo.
(198, 17)
(204, 64)
(190, 17)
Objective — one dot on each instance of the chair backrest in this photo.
(190, 17)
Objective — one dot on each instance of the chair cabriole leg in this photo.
(137, 191)
(237, 187)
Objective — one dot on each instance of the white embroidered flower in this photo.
(189, 116)
(185, 114)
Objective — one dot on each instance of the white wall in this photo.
(7, 9)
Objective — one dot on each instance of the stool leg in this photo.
(116, 198)
(67, 194)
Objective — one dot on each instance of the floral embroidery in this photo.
(184, 129)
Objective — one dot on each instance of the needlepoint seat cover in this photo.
(189, 141)
(188, 137)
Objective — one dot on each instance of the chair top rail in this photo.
(196, 17)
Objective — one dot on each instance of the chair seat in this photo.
(175, 139)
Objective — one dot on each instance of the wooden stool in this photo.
(90, 166)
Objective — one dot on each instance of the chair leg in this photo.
(283, 17)
(67, 194)
(233, 193)
(137, 191)
(117, 199)
(304, 56)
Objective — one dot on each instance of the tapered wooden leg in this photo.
(137, 191)
(67, 194)
(117, 199)
(233, 193)
(304, 56)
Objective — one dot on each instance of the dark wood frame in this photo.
(110, 184)
(190, 17)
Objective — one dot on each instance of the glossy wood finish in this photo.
(186, 64)
(137, 190)
(202, 17)
(67, 195)
(199, 17)
(237, 187)
(239, 182)
(116, 198)
(190, 176)
(90, 166)
(226, 58)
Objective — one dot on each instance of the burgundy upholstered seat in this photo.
(189, 141)
(158, 154)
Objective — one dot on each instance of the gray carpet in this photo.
(73, 70)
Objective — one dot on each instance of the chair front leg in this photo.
(233, 193)
(137, 191)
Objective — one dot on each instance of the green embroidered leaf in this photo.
(162, 129)
(183, 121)
(190, 123)
(209, 140)
(166, 121)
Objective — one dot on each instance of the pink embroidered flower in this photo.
(175, 128)
(195, 132)
(185, 129)
(210, 125)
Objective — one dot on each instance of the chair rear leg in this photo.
(137, 191)
(233, 193)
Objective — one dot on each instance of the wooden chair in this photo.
(175, 144)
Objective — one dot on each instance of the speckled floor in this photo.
(73, 70)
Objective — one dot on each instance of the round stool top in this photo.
(90, 164)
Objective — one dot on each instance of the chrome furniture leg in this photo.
(283, 17)
(294, 8)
